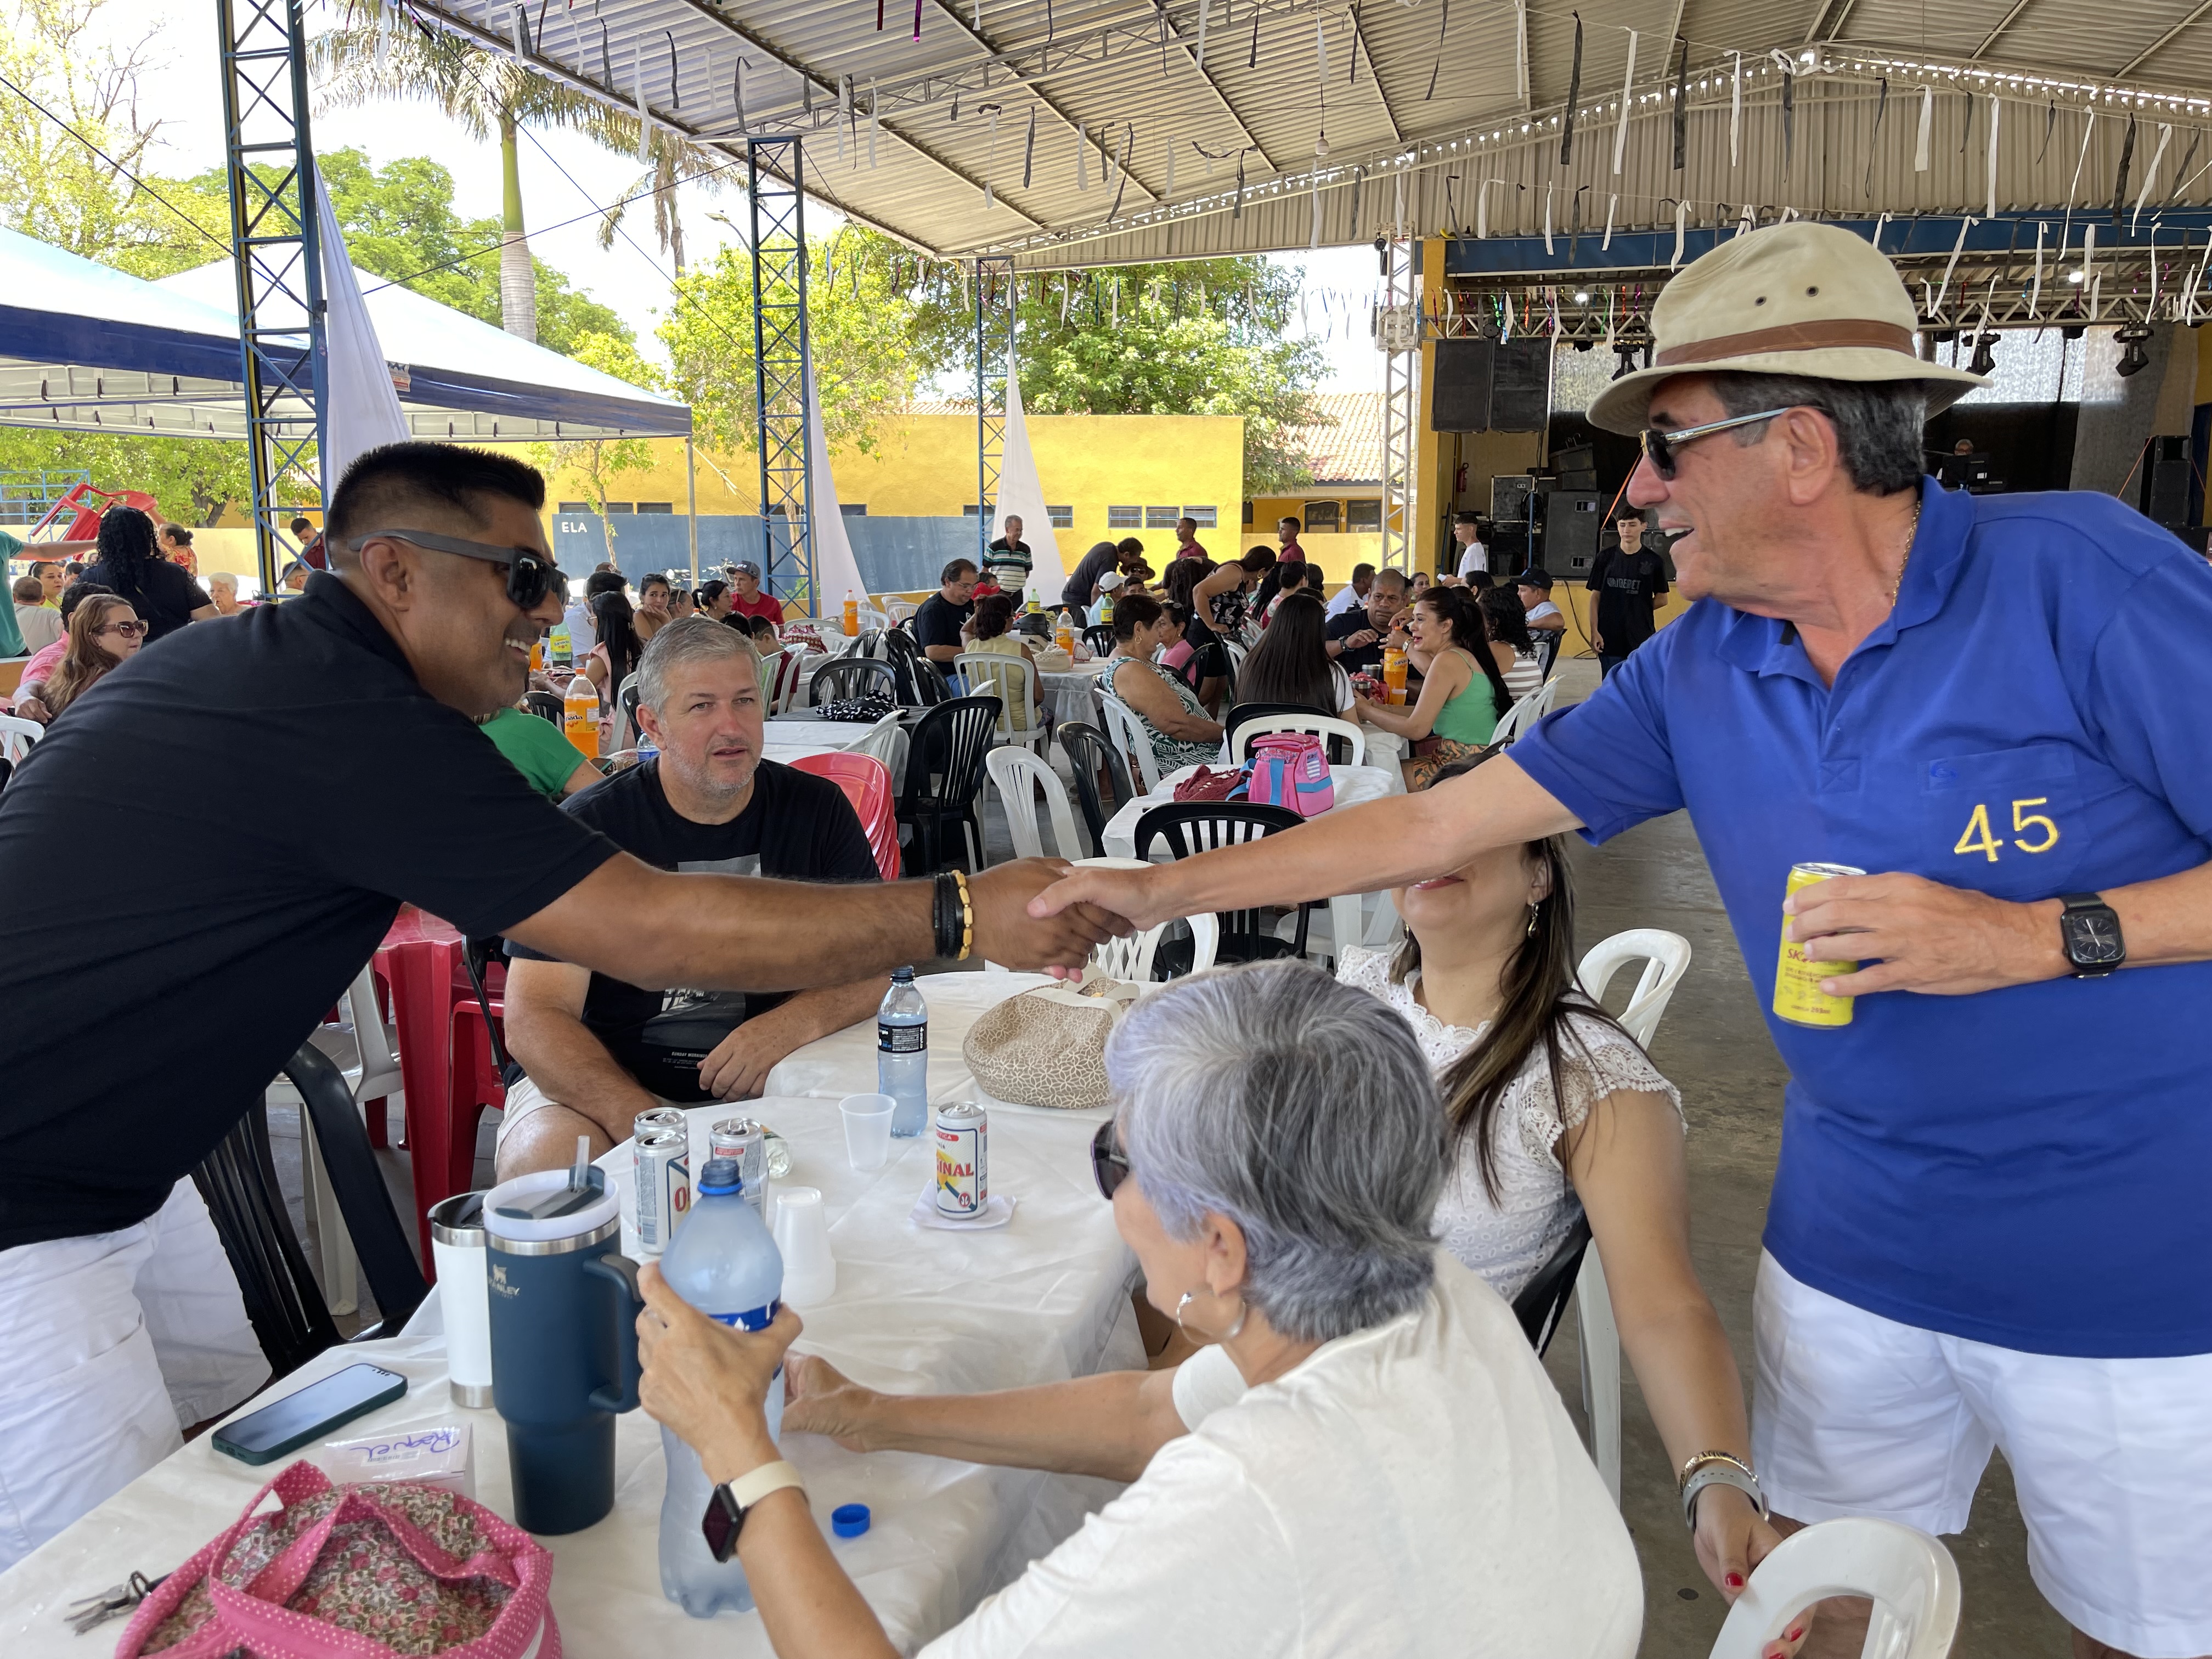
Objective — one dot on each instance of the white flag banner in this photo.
(1021, 493)
(360, 406)
(837, 572)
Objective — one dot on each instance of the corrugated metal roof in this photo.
(1416, 101)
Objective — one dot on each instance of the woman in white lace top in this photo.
(1555, 1111)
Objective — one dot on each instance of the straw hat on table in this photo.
(1801, 298)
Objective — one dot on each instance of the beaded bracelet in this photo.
(967, 917)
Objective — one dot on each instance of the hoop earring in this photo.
(1243, 1313)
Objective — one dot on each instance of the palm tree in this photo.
(674, 162)
(362, 62)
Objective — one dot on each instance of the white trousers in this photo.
(113, 1344)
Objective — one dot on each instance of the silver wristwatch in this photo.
(1718, 1473)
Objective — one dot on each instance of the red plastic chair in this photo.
(867, 784)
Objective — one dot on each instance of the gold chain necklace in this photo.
(1910, 536)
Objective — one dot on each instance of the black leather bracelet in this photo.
(944, 914)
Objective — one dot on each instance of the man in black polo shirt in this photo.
(1356, 638)
(599, 1050)
(944, 614)
(1631, 585)
(327, 745)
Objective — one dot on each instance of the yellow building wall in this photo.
(924, 465)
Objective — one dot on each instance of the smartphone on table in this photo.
(285, 1425)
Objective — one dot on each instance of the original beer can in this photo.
(1798, 997)
(664, 1185)
(660, 1117)
(746, 1142)
(963, 1133)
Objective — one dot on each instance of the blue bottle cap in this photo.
(720, 1176)
(849, 1520)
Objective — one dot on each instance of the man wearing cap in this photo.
(1989, 1223)
(1532, 588)
(746, 598)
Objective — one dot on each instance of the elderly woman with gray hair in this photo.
(1367, 1458)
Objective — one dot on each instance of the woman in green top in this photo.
(541, 752)
(1462, 694)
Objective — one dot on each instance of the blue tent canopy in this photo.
(84, 347)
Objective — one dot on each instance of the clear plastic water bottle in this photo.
(724, 1263)
(903, 1053)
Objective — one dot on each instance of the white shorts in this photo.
(1855, 1414)
(525, 1096)
(114, 1342)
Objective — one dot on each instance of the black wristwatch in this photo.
(2089, 933)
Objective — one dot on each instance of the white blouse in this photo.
(1507, 1240)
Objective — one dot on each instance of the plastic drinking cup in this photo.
(867, 1129)
(802, 1234)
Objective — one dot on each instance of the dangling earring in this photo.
(1534, 910)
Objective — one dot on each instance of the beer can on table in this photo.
(664, 1185)
(1798, 997)
(964, 1144)
(746, 1141)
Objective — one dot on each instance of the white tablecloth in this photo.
(1043, 1299)
(787, 737)
(1073, 695)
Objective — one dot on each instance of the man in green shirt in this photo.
(541, 752)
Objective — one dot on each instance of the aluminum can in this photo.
(1798, 997)
(746, 1141)
(963, 1133)
(660, 1117)
(663, 1186)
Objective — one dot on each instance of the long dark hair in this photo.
(1508, 623)
(1291, 663)
(1458, 613)
(994, 612)
(1183, 574)
(126, 548)
(85, 661)
(614, 619)
(1534, 1007)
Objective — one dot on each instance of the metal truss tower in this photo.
(276, 252)
(994, 345)
(1398, 332)
(780, 356)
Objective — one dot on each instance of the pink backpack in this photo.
(354, 1572)
(1290, 769)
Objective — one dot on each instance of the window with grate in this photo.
(1062, 517)
(618, 506)
(1125, 518)
(1205, 516)
(1321, 517)
(577, 507)
(1162, 517)
(656, 506)
(853, 509)
(1362, 515)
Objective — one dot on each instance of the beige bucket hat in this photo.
(1801, 298)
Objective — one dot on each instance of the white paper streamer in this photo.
(644, 123)
(1994, 109)
(2195, 281)
(383, 33)
(1746, 221)
(1171, 150)
(1927, 126)
(1203, 8)
(1736, 113)
(875, 121)
(519, 26)
(2150, 308)
(1082, 151)
(2088, 126)
(1627, 85)
(1521, 50)
(1547, 220)
(2096, 297)
(1611, 202)
(2035, 287)
(1681, 231)
(1313, 236)
(1957, 248)
(1481, 208)
(845, 114)
(2150, 174)
(1880, 226)
(990, 157)
(737, 92)
(2088, 249)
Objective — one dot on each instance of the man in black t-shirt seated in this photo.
(597, 1050)
(1357, 637)
(939, 625)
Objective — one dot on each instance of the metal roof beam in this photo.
(2003, 24)
(1361, 55)
(1828, 19)
(2162, 42)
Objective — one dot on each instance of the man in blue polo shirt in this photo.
(1989, 1223)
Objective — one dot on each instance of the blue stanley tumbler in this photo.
(564, 1305)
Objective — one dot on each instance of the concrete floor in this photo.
(1713, 1044)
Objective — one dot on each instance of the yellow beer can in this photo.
(1798, 997)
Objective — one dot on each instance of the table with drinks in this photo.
(1037, 1292)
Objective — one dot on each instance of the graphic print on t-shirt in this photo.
(691, 1022)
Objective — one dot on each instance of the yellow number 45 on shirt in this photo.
(1978, 837)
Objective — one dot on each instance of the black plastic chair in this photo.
(546, 705)
(238, 1182)
(1339, 748)
(920, 682)
(1548, 648)
(1099, 636)
(1210, 661)
(1543, 1299)
(1087, 750)
(945, 778)
(851, 676)
(630, 701)
(1190, 827)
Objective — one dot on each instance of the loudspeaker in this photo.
(1571, 530)
(1489, 386)
(2165, 483)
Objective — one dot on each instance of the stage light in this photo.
(2074, 277)
(2133, 358)
(1582, 297)
(1984, 360)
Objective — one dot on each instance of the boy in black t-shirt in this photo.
(599, 1050)
(1631, 585)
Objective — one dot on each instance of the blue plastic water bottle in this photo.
(724, 1263)
(903, 1053)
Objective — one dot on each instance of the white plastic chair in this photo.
(1909, 1577)
(1322, 726)
(1021, 777)
(1013, 682)
(1128, 728)
(17, 737)
(1131, 958)
(899, 611)
(1526, 713)
(1666, 958)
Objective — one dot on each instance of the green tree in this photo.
(195, 480)
(861, 331)
(367, 59)
(598, 462)
(1204, 338)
